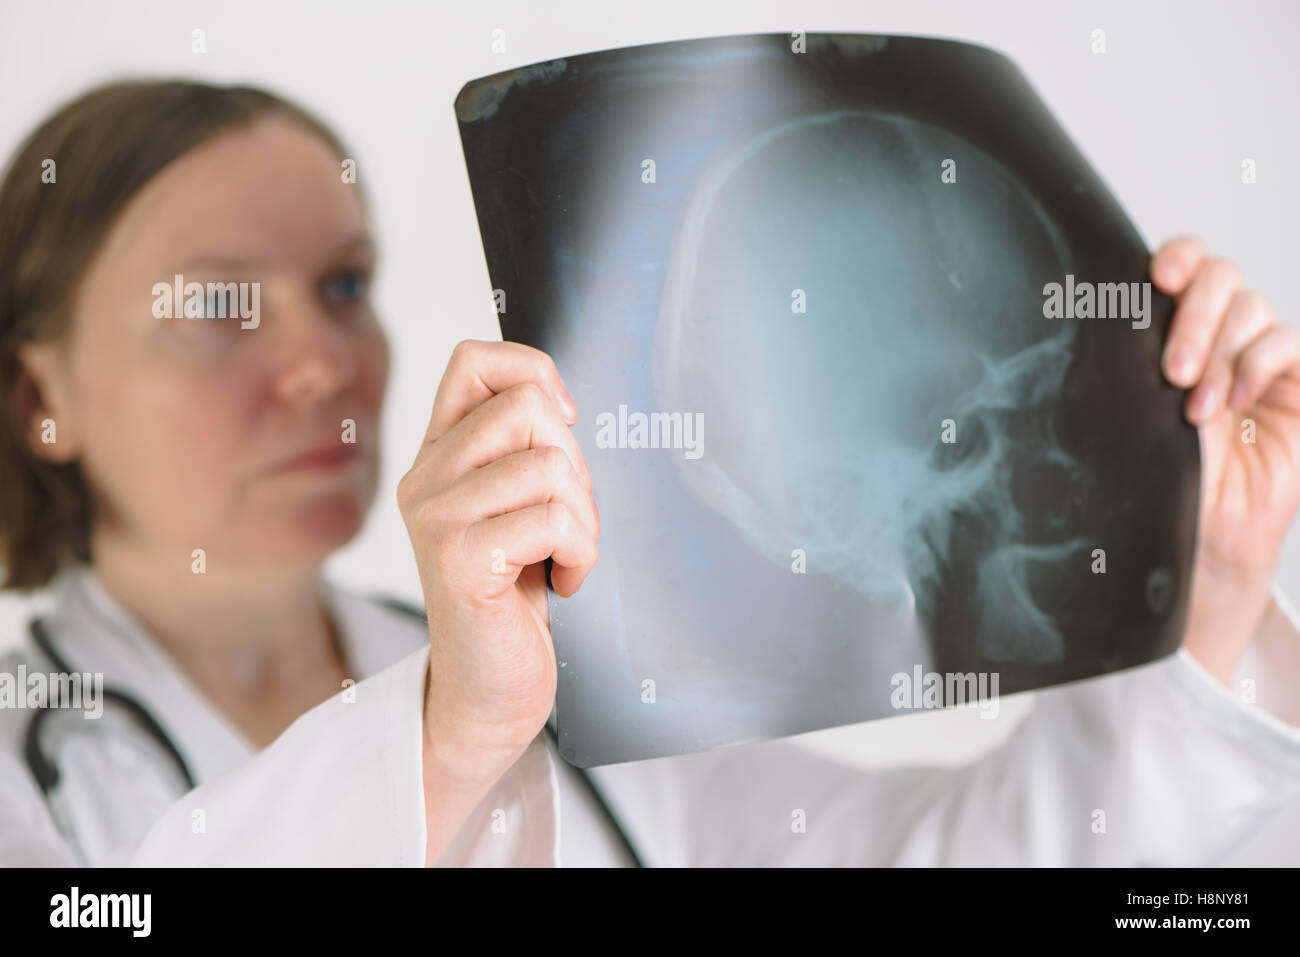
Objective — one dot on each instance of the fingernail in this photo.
(1179, 364)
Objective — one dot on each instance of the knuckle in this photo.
(1258, 304)
(553, 460)
(1238, 302)
(1251, 298)
(1247, 303)
(557, 517)
(543, 359)
(428, 515)
(1223, 271)
(458, 359)
(526, 399)
(549, 368)
(463, 351)
(407, 492)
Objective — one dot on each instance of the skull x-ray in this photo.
(867, 367)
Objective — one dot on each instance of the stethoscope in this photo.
(600, 799)
(45, 771)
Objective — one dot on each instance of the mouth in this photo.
(331, 457)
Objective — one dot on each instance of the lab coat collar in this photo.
(94, 632)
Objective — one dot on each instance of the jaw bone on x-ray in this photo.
(868, 379)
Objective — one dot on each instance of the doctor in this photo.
(172, 485)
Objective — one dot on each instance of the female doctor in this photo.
(172, 486)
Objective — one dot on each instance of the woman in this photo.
(177, 479)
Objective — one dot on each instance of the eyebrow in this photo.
(359, 241)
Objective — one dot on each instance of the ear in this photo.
(40, 400)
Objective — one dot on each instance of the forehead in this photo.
(268, 192)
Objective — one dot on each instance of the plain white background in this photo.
(1184, 93)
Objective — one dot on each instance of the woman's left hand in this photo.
(1243, 369)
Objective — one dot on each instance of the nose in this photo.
(316, 356)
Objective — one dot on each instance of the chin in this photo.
(308, 516)
(333, 524)
(314, 530)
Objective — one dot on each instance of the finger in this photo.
(497, 549)
(516, 481)
(1176, 262)
(521, 417)
(1248, 315)
(1196, 320)
(1273, 354)
(479, 370)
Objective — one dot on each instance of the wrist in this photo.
(457, 775)
(1227, 607)
(460, 760)
(461, 751)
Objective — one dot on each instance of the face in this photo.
(253, 437)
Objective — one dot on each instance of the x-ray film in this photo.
(867, 369)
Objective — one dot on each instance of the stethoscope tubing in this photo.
(46, 772)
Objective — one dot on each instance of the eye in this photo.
(345, 288)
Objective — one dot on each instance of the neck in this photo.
(239, 633)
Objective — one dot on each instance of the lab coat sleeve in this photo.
(342, 786)
(1156, 765)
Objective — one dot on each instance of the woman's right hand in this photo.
(499, 485)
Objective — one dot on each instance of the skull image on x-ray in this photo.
(825, 424)
(832, 264)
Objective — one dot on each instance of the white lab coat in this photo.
(1182, 769)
